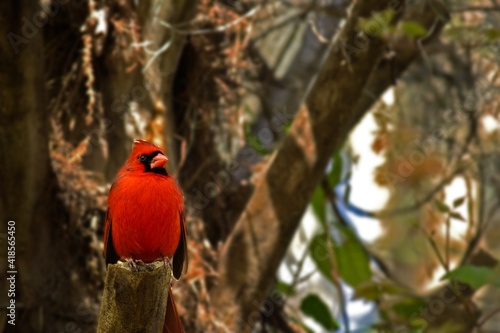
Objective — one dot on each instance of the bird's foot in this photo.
(166, 262)
(132, 263)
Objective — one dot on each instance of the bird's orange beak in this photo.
(159, 161)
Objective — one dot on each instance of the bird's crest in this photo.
(145, 145)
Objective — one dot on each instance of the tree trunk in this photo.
(25, 172)
(50, 270)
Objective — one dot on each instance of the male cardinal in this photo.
(145, 218)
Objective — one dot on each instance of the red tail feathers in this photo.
(172, 322)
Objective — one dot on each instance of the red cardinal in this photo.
(145, 218)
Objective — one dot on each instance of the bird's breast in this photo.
(145, 213)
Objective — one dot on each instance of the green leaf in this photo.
(409, 309)
(353, 262)
(347, 194)
(377, 23)
(408, 306)
(373, 290)
(320, 254)
(336, 172)
(318, 203)
(441, 206)
(475, 276)
(457, 216)
(254, 142)
(458, 202)
(287, 127)
(285, 288)
(413, 29)
(314, 307)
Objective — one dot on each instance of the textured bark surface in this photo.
(173, 13)
(134, 301)
(25, 174)
(352, 77)
(432, 15)
(51, 277)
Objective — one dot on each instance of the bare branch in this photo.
(418, 204)
(220, 28)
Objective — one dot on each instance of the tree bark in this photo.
(163, 71)
(51, 278)
(134, 301)
(120, 87)
(25, 172)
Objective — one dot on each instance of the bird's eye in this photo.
(142, 158)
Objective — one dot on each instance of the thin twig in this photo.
(447, 245)
(416, 205)
(435, 248)
(424, 38)
(218, 29)
(345, 318)
(296, 275)
(157, 53)
(175, 30)
(481, 207)
(488, 317)
(318, 35)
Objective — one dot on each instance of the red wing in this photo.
(109, 252)
(181, 254)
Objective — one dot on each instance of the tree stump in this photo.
(134, 301)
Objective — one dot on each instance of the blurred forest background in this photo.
(339, 160)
